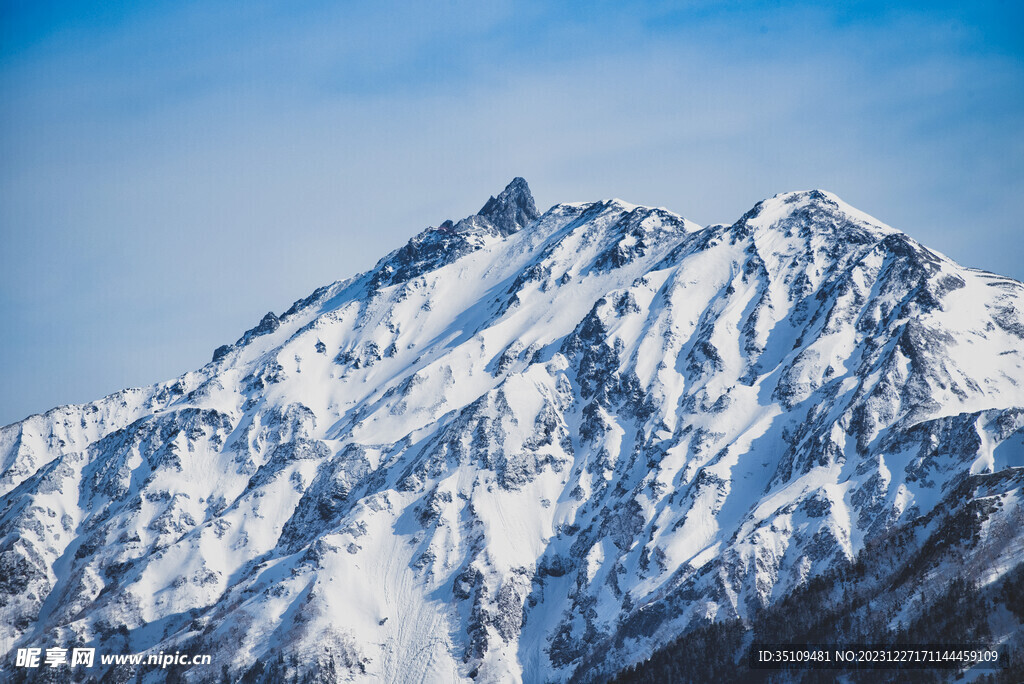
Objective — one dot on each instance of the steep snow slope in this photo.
(522, 447)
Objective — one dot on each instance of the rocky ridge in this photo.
(530, 447)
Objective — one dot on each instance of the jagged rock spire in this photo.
(513, 209)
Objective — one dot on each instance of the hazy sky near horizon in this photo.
(169, 171)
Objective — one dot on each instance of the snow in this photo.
(465, 502)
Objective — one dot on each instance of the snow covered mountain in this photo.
(533, 447)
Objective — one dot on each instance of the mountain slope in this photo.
(527, 447)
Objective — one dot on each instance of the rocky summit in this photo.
(546, 448)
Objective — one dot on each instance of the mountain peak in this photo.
(785, 205)
(565, 449)
(513, 208)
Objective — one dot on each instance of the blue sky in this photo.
(172, 170)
